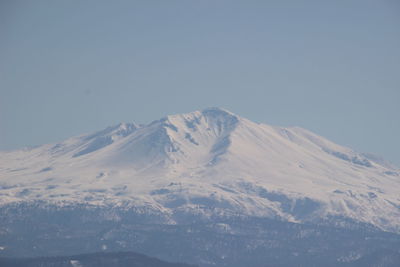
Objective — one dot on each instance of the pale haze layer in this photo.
(70, 67)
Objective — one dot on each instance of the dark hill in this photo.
(117, 259)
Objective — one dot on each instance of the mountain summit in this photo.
(208, 163)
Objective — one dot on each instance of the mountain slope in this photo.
(207, 163)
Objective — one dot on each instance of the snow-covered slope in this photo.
(208, 162)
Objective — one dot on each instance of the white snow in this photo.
(208, 158)
(75, 263)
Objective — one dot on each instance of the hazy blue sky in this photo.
(70, 67)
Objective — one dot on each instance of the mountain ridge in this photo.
(208, 159)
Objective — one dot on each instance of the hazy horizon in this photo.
(69, 68)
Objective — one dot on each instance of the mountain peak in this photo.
(214, 118)
(211, 112)
(215, 157)
(217, 111)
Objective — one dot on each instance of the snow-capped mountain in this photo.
(209, 162)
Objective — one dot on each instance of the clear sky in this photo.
(71, 67)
